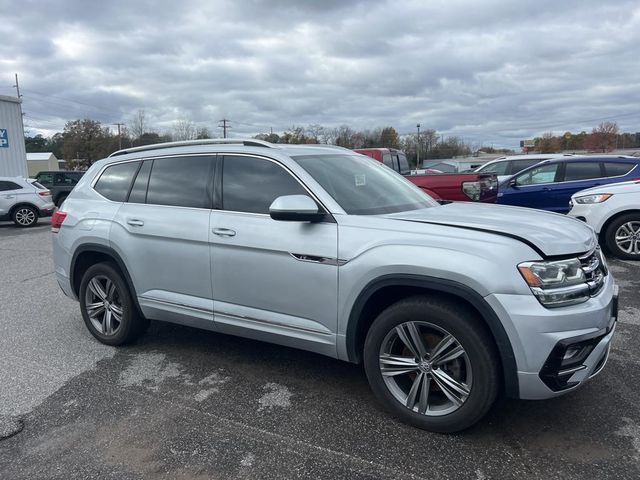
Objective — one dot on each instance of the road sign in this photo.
(4, 138)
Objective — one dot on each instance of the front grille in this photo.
(595, 270)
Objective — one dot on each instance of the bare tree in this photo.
(602, 138)
(184, 129)
(138, 125)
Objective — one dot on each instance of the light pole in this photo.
(418, 148)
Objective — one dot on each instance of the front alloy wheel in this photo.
(432, 363)
(425, 368)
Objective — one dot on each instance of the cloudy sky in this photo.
(492, 71)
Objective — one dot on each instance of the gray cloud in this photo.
(494, 71)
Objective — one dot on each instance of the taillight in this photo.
(472, 190)
(44, 193)
(57, 220)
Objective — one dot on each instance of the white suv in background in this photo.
(614, 213)
(23, 201)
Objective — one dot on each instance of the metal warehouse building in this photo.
(13, 158)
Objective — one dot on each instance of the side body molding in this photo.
(505, 350)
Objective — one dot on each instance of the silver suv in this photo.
(320, 248)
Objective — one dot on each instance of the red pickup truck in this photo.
(477, 187)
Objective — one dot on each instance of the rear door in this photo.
(272, 280)
(8, 196)
(575, 176)
(161, 233)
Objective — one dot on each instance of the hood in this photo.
(548, 233)
(623, 187)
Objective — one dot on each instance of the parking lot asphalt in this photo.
(184, 403)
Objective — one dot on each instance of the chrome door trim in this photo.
(269, 322)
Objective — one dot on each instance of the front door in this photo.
(272, 280)
(8, 196)
(532, 188)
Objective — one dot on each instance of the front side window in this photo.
(181, 182)
(542, 174)
(251, 184)
(115, 181)
(45, 178)
(386, 159)
(362, 187)
(581, 171)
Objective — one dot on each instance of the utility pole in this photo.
(418, 149)
(224, 127)
(17, 85)
(119, 135)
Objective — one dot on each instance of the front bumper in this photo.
(592, 214)
(540, 335)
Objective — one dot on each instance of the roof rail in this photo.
(247, 142)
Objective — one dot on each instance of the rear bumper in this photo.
(46, 211)
(541, 337)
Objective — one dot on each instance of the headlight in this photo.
(556, 284)
(598, 198)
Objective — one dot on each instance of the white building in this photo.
(40, 162)
(13, 159)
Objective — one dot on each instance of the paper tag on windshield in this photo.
(361, 180)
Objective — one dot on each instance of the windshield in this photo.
(362, 186)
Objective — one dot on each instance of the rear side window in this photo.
(519, 165)
(499, 168)
(66, 179)
(181, 182)
(115, 181)
(617, 169)
(581, 171)
(252, 184)
(6, 186)
(386, 159)
(404, 164)
(139, 190)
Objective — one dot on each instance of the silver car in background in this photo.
(23, 201)
(319, 248)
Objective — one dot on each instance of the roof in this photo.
(40, 156)
(5, 98)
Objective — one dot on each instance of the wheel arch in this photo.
(611, 219)
(90, 254)
(395, 287)
(23, 204)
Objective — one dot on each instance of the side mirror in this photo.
(295, 208)
(512, 182)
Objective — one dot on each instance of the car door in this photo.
(161, 233)
(574, 176)
(530, 188)
(8, 196)
(272, 280)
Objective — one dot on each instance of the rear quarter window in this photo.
(115, 181)
(617, 169)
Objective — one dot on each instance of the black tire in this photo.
(461, 323)
(610, 236)
(131, 325)
(25, 216)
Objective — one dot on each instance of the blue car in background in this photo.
(549, 185)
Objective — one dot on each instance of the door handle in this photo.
(546, 189)
(224, 232)
(135, 223)
(9, 196)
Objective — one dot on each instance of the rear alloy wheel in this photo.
(107, 306)
(432, 364)
(25, 216)
(623, 237)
